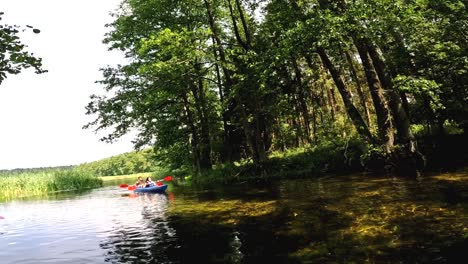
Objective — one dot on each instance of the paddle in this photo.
(168, 178)
(123, 185)
(158, 183)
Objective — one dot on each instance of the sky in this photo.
(41, 116)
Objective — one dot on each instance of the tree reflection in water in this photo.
(351, 219)
(148, 239)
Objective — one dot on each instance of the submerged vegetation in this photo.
(236, 89)
(357, 219)
(17, 185)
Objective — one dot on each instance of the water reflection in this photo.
(339, 220)
(351, 219)
(146, 238)
(95, 227)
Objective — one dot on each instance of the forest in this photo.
(123, 164)
(133, 162)
(334, 84)
(262, 96)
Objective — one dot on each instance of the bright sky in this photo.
(41, 116)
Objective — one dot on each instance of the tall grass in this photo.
(126, 178)
(41, 183)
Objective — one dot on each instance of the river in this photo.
(341, 219)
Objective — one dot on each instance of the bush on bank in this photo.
(342, 157)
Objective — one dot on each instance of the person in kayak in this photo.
(149, 182)
(140, 183)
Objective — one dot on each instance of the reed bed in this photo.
(40, 183)
(129, 177)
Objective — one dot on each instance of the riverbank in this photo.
(442, 154)
(20, 185)
(126, 178)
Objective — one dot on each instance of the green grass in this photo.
(157, 174)
(41, 183)
(131, 177)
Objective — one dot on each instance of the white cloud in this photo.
(41, 115)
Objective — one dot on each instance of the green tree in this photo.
(222, 80)
(13, 57)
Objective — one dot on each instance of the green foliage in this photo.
(420, 88)
(13, 57)
(438, 48)
(123, 164)
(41, 183)
(399, 161)
(327, 158)
(375, 159)
(425, 95)
(212, 85)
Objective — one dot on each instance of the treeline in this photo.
(34, 170)
(123, 164)
(217, 81)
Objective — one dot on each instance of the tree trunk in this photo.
(325, 99)
(282, 140)
(227, 146)
(297, 138)
(236, 103)
(361, 95)
(259, 140)
(247, 129)
(200, 104)
(301, 100)
(330, 100)
(253, 134)
(235, 27)
(384, 117)
(194, 135)
(314, 124)
(353, 113)
(400, 116)
(244, 23)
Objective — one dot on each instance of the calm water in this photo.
(353, 219)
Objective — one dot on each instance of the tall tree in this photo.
(220, 80)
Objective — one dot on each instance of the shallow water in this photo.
(352, 219)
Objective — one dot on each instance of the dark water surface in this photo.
(352, 219)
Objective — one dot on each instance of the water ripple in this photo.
(98, 227)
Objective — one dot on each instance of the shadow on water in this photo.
(220, 231)
(356, 219)
(379, 220)
(352, 219)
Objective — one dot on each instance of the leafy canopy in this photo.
(13, 57)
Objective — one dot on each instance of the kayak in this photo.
(154, 189)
